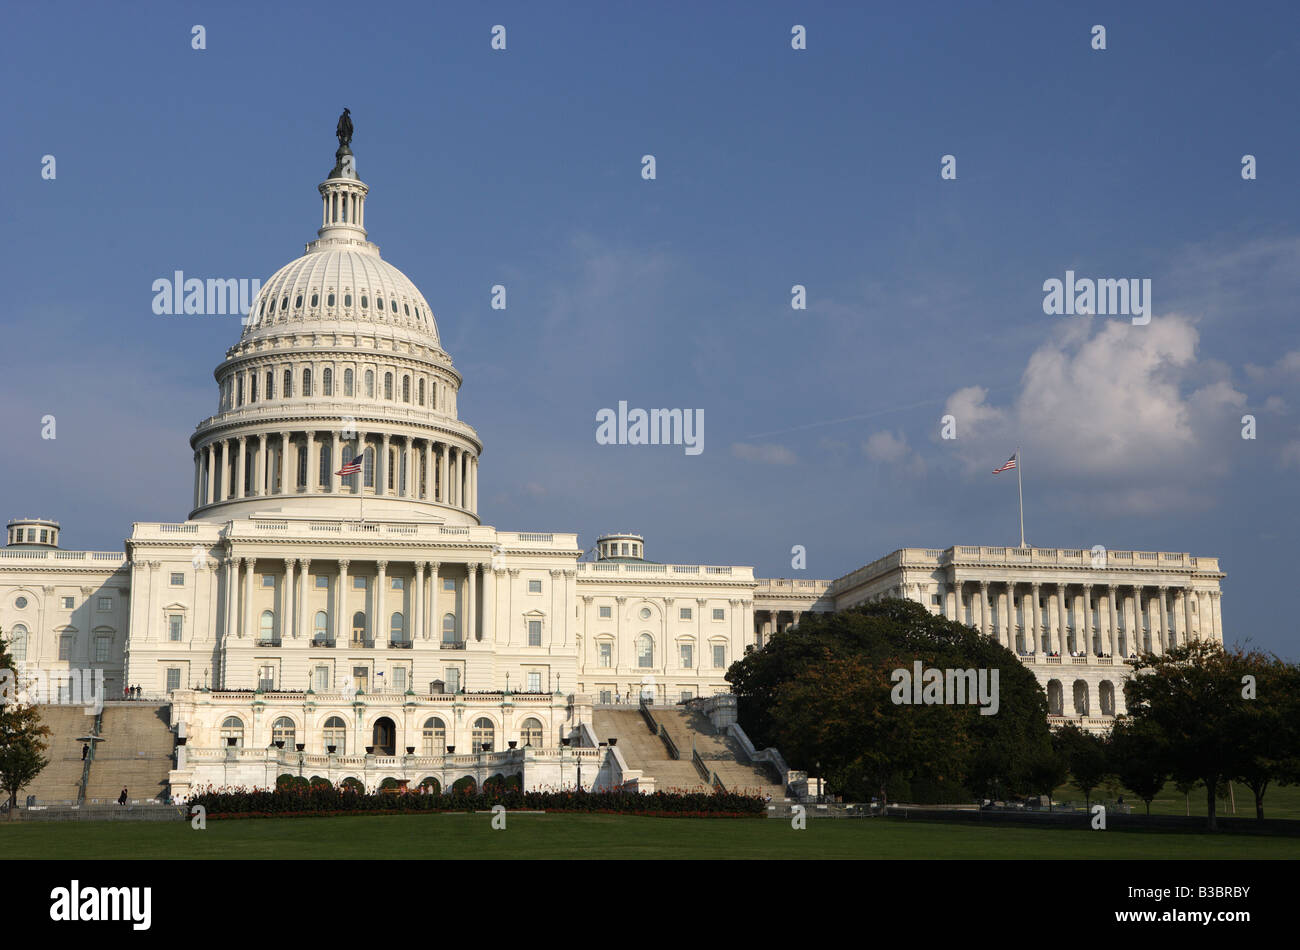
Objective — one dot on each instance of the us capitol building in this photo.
(370, 626)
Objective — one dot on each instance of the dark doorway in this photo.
(385, 737)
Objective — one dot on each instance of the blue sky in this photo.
(775, 167)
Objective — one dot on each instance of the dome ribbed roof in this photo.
(331, 284)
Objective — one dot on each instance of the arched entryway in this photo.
(384, 739)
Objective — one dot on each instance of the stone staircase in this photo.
(721, 753)
(137, 752)
(644, 750)
(60, 781)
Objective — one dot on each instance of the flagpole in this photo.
(1020, 490)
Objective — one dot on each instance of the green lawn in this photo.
(604, 837)
(1280, 801)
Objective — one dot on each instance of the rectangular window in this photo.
(361, 678)
(173, 679)
(396, 583)
(606, 654)
(449, 583)
(175, 624)
(684, 613)
(719, 613)
(534, 633)
(268, 580)
(688, 656)
(177, 580)
(102, 645)
(452, 679)
(534, 587)
(719, 656)
(266, 678)
(399, 678)
(687, 694)
(322, 679)
(534, 682)
(358, 583)
(106, 603)
(65, 647)
(322, 582)
(67, 603)
(606, 697)
(606, 613)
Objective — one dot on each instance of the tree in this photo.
(22, 737)
(1085, 756)
(1139, 755)
(1193, 694)
(1271, 731)
(1047, 771)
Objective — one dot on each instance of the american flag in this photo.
(1010, 464)
(351, 468)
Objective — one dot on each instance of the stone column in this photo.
(259, 467)
(1062, 636)
(343, 622)
(241, 470)
(412, 470)
(1112, 595)
(442, 474)
(311, 485)
(1187, 614)
(955, 590)
(198, 470)
(250, 571)
(435, 618)
(986, 626)
(1164, 619)
(1039, 641)
(1216, 614)
(471, 587)
(489, 594)
(379, 626)
(304, 572)
(336, 463)
(232, 581)
(1086, 614)
(416, 630)
(286, 618)
(381, 484)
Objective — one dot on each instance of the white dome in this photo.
(340, 285)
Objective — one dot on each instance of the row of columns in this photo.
(222, 468)
(377, 382)
(422, 620)
(768, 627)
(1050, 630)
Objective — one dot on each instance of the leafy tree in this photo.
(22, 737)
(1193, 694)
(821, 692)
(1047, 771)
(1271, 730)
(1085, 756)
(1139, 755)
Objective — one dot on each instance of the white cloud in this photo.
(767, 453)
(886, 447)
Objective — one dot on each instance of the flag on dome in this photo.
(351, 468)
(1010, 464)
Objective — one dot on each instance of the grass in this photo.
(606, 837)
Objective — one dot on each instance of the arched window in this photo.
(336, 735)
(302, 465)
(406, 389)
(232, 728)
(1106, 696)
(306, 381)
(347, 300)
(379, 303)
(315, 298)
(18, 642)
(252, 387)
(645, 651)
(393, 305)
(358, 626)
(388, 385)
(484, 734)
(396, 627)
(369, 466)
(530, 734)
(370, 384)
(297, 302)
(365, 301)
(266, 629)
(448, 628)
(329, 300)
(420, 389)
(288, 384)
(282, 730)
(270, 384)
(1080, 698)
(347, 382)
(327, 382)
(320, 627)
(435, 737)
(325, 467)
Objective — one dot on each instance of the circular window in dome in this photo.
(347, 300)
(363, 302)
(314, 299)
(20, 603)
(645, 613)
(297, 303)
(379, 302)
